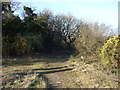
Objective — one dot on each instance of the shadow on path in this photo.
(50, 68)
(43, 71)
(54, 71)
(60, 69)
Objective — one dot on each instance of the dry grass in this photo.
(17, 73)
(57, 72)
(93, 75)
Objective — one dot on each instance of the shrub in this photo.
(36, 42)
(90, 40)
(21, 45)
(7, 46)
(110, 52)
(85, 47)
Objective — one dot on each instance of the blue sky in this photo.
(101, 11)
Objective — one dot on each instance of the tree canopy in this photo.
(41, 32)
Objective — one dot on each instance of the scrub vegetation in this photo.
(44, 50)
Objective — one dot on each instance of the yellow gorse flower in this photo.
(110, 51)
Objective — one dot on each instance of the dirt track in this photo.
(58, 73)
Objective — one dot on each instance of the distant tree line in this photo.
(45, 32)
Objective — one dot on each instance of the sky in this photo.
(101, 11)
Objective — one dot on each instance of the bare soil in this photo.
(55, 72)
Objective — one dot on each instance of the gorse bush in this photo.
(110, 52)
(21, 45)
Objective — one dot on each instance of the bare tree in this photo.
(67, 26)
